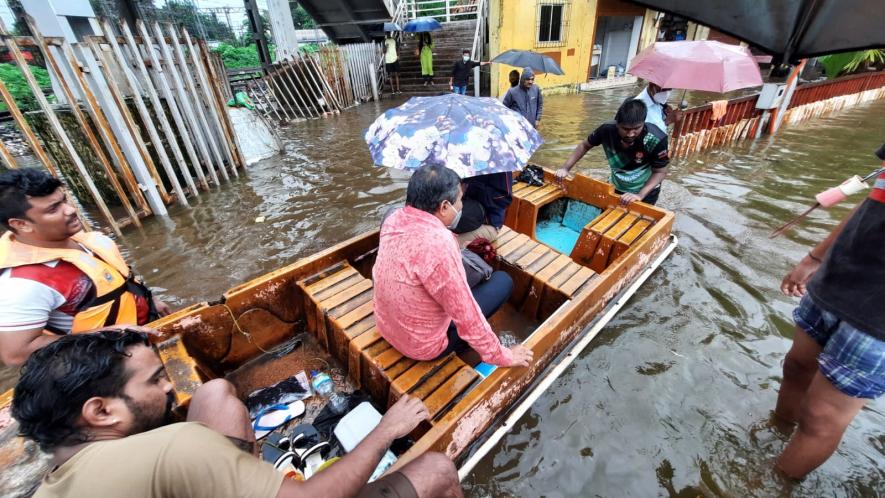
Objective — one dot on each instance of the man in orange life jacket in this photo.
(56, 279)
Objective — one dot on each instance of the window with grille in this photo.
(552, 23)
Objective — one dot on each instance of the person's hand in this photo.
(162, 308)
(794, 283)
(131, 328)
(628, 198)
(561, 174)
(452, 87)
(522, 356)
(537, 123)
(403, 416)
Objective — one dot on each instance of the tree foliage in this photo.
(197, 23)
(18, 86)
(300, 17)
(849, 62)
(240, 57)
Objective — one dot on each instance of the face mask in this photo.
(466, 58)
(661, 97)
(454, 223)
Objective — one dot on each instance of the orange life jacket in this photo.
(115, 288)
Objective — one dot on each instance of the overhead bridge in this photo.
(349, 21)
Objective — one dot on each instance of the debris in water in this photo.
(260, 219)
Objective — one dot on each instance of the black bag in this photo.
(473, 215)
(533, 175)
(475, 267)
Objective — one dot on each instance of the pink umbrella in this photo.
(697, 65)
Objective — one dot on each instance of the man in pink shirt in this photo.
(423, 304)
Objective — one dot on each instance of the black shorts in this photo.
(392, 67)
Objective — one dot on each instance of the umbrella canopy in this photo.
(697, 65)
(421, 25)
(392, 26)
(789, 29)
(469, 135)
(540, 63)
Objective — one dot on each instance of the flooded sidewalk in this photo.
(674, 396)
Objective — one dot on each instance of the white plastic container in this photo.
(355, 426)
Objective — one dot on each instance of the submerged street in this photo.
(674, 397)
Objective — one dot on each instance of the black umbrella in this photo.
(789, 29)
(540, 63)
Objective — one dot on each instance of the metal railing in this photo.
(442, 10)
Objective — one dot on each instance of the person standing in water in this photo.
(836, 364)
(425, 52)
(526, 98)
(391, 62)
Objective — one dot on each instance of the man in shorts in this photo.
(837, 362)
(391, 62)
(101, 403)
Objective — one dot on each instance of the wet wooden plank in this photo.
(505, 250)
(621, 227)
(529, 207)
(548, 257)
(627, 239)
(540, 192)
(505, 235)
(328, 280)
(360, 312)
(587, 244)
(336, 288)
(414, 376)
(346, 295)
(577, 281)
(521, 251)
(360, 327)
(450, 390)
(567, 272)
(439, 378)
(387, 358)
(533, 255)
(355, 352)
(360, 300)
(400, 367)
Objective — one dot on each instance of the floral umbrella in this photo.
(469, 135)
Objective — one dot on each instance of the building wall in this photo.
(513, 24)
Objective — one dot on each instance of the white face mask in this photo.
(454, 223)
(662, 97)
(466, 58)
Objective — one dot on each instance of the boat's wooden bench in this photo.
(542, 268)
(340, 311)
(608, 236)
(527, 202)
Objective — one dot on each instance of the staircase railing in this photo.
(479, 41)
(442, 10)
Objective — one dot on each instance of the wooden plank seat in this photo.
(340, 311)
(608, 236)
(542, 268)
(527, 202)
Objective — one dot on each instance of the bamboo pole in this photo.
(251, 86)
(58, 129)
(272, 81)
(167, 94)
(8, 160)
(142, 111)
(212, 103)
(323, 82)
(311, 81)
(309, 87)
(148, 86)
(196, 101)
(293, 90)
(289, 69)
(221, 98)
(281, 81)
(25, 128)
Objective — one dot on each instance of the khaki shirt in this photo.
(178, 460)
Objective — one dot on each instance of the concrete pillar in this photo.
(73, 19)
(283, 28)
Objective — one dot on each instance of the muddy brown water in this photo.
(674, 396)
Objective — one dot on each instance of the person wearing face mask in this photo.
(461, 73)
(655, 99)
(636, 152)
(423, 305)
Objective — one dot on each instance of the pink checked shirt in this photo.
(421, 287)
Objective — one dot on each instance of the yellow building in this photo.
(590, 39)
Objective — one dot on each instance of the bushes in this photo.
(240, 57)
(15, 81)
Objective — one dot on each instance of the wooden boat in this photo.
(329, 296)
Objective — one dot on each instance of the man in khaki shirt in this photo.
(100, 404)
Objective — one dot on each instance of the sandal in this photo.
(309, 449)
(274, 416)
(276, 451)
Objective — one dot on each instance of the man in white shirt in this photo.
(659, 113)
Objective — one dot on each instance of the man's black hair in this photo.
(430, 185)
(60, 377)
(16, 185)
(631, 112)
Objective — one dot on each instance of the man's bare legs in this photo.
(433, 474)
(216, 405)
(800, 365)
(823, 417)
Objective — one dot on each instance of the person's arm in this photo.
(794, 282)
(579, 152)
(352, 472)
(16, 347)
(508, 100)
(659, 166)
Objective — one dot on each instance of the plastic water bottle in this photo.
(322, 383)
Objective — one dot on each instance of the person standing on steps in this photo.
(391, 62)
(461, 73)
(526, 98)
(836, 364)
(425, 52)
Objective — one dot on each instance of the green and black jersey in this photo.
(631, 166)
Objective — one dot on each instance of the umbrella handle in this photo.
(683, 105)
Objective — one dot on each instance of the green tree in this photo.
(17, 85)
(300, 17)
(182, 12)
(850, 62)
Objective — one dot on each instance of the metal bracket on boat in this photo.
(567, 359)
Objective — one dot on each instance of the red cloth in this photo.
(421, 287)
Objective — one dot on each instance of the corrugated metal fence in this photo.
(698, 131)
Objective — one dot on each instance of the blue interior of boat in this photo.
(560, 226)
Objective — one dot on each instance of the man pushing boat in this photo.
(56, 279)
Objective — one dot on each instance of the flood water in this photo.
(674, 396)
